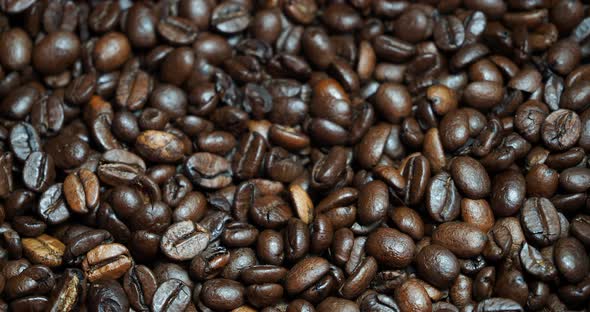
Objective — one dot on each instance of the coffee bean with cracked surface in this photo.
(561, 130)
(159, 146)
(44, 249)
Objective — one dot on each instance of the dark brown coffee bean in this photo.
(24, 140)
(6, 177)
(140, 285)
(302, 11)
(305, 273)
(270, 211)
(540, 221)
(393, 101)
(392, 49)
(172, 295)
(442, 198)
(69, 292)
(249, 156)
(35, 279)
(177, 30)
(470, 177)
(411, 295)
(270, 247)
(535, 264)
(574, 96)
(15, 49)
(104, 16)
(508, 193)
(553, 130)
(56, 52)
(133, 87)
(575, 180)
(140, 23)
(208, 170)
(416, 173)
(230, 17)
(52, 205)
(111, 51)
(184, 240)
(463, 239)
(360, 279)
(449, 33)
(222, 294)
(568, 257)
(437, 265)
(373, 202)
(68, 151)
(580, 229)
(39, 171)
(391, 247)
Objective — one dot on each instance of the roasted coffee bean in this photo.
(35, 279)
(159, 146)
(270, 211)
(39, 171)
(437, 265)
(463, 239)
(172, 295)
(111, 51)
(540, 221)
(294, 155)
(208, 170)
(52, 206)
(69, 292)
(184, 240)
(44, 250)
(177, 30)
(535, 264)
(373, 202)
(229, 17)
(305, 273)
(508, 193)
(79, 245)
(133, 87)
(56, 52)
(24, 140)
(554, 132)
(27, 226)
(470, 177)
(107, 295)
(81, 191)
(106, 262)
(391, 247)
(68, 151)
(442, 198)
(569, 255)
(140, 285)
(411, 295)
(47, 116)
(6, 177)
(416, 173)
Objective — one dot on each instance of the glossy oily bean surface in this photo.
(294, 155)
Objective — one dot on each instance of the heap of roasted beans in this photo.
(295, 155)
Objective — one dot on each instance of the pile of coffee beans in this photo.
(295, 155)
